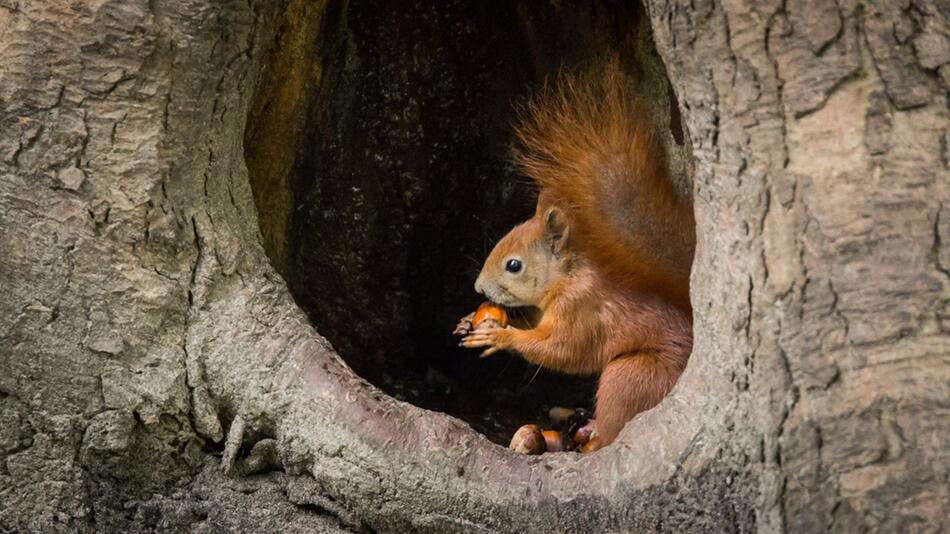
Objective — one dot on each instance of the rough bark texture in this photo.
(147, 345)
(822, 182)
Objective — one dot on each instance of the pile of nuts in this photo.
(574, 430)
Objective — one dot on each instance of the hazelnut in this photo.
(490, 311)
(528, 440)
(555, 441)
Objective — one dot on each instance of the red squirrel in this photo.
(606, 257)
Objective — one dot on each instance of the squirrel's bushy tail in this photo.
(588, 144)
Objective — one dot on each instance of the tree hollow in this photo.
(379, 152)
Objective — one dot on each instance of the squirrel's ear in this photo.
(555, 228)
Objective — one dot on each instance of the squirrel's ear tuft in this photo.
(555, 228)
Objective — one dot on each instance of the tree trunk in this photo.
(156, 373)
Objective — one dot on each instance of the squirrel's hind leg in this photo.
(629, 384)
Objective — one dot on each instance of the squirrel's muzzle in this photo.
(479, 286)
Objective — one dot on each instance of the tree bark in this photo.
(156, 374)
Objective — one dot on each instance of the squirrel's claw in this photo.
(482, 338)
(487, 338)
(464, 327)
(476, 340)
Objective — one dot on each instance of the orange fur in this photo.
(591, 150)
(606, 256)
(638, 342)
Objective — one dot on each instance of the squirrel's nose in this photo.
(479, 288)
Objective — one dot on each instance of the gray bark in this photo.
(155, 373)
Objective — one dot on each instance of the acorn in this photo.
(489, 314)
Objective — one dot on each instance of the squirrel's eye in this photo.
(513, 265)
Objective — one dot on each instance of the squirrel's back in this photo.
(589, 146)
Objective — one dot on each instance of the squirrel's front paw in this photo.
(465, 326)
(493, 339)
